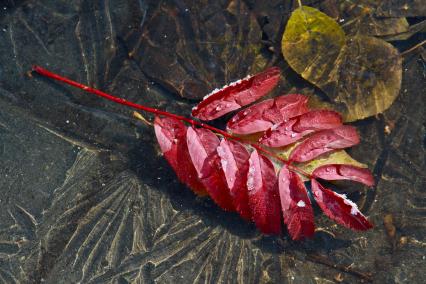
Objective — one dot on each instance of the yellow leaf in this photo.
(360, 74)
(338, 157)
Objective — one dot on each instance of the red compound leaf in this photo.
(202, 144)
(295, 204)
(325, 141)
(338, 208)
(234, 158)
(263, 194)
(294, 129)
(264, 115)
(171, 136)
(247, 183)
(349, 172)
(236, 94)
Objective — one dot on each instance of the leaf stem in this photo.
(43, 72)
(300, 3)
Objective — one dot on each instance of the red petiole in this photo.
(43, 72)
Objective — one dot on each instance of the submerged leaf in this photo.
(263, 194)
(311, 44)
(339, 208)
(295, 204)
(202, 144)
(171, 136)
(236, 95)
(361, 74)
(325, 141)
(369, 77)
(262, 116)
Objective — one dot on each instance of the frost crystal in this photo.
(301, 203)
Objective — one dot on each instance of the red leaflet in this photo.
(263, 194)
(264, 115)
(234, 158)
(325, 141)
(339, 172)
(339, 208)
(294, 129)
(202, 144)
(295, 204)
(236, 94)
(171, 136)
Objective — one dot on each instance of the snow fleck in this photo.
(301, 203)
(250, 182)
(218, 108)
(67, 121)
(195, 108)
(341, 20)
(175, 141)
(354, 210)
(293, 135)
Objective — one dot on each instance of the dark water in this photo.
(86, 197)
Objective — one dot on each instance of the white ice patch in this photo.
(301, 203)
